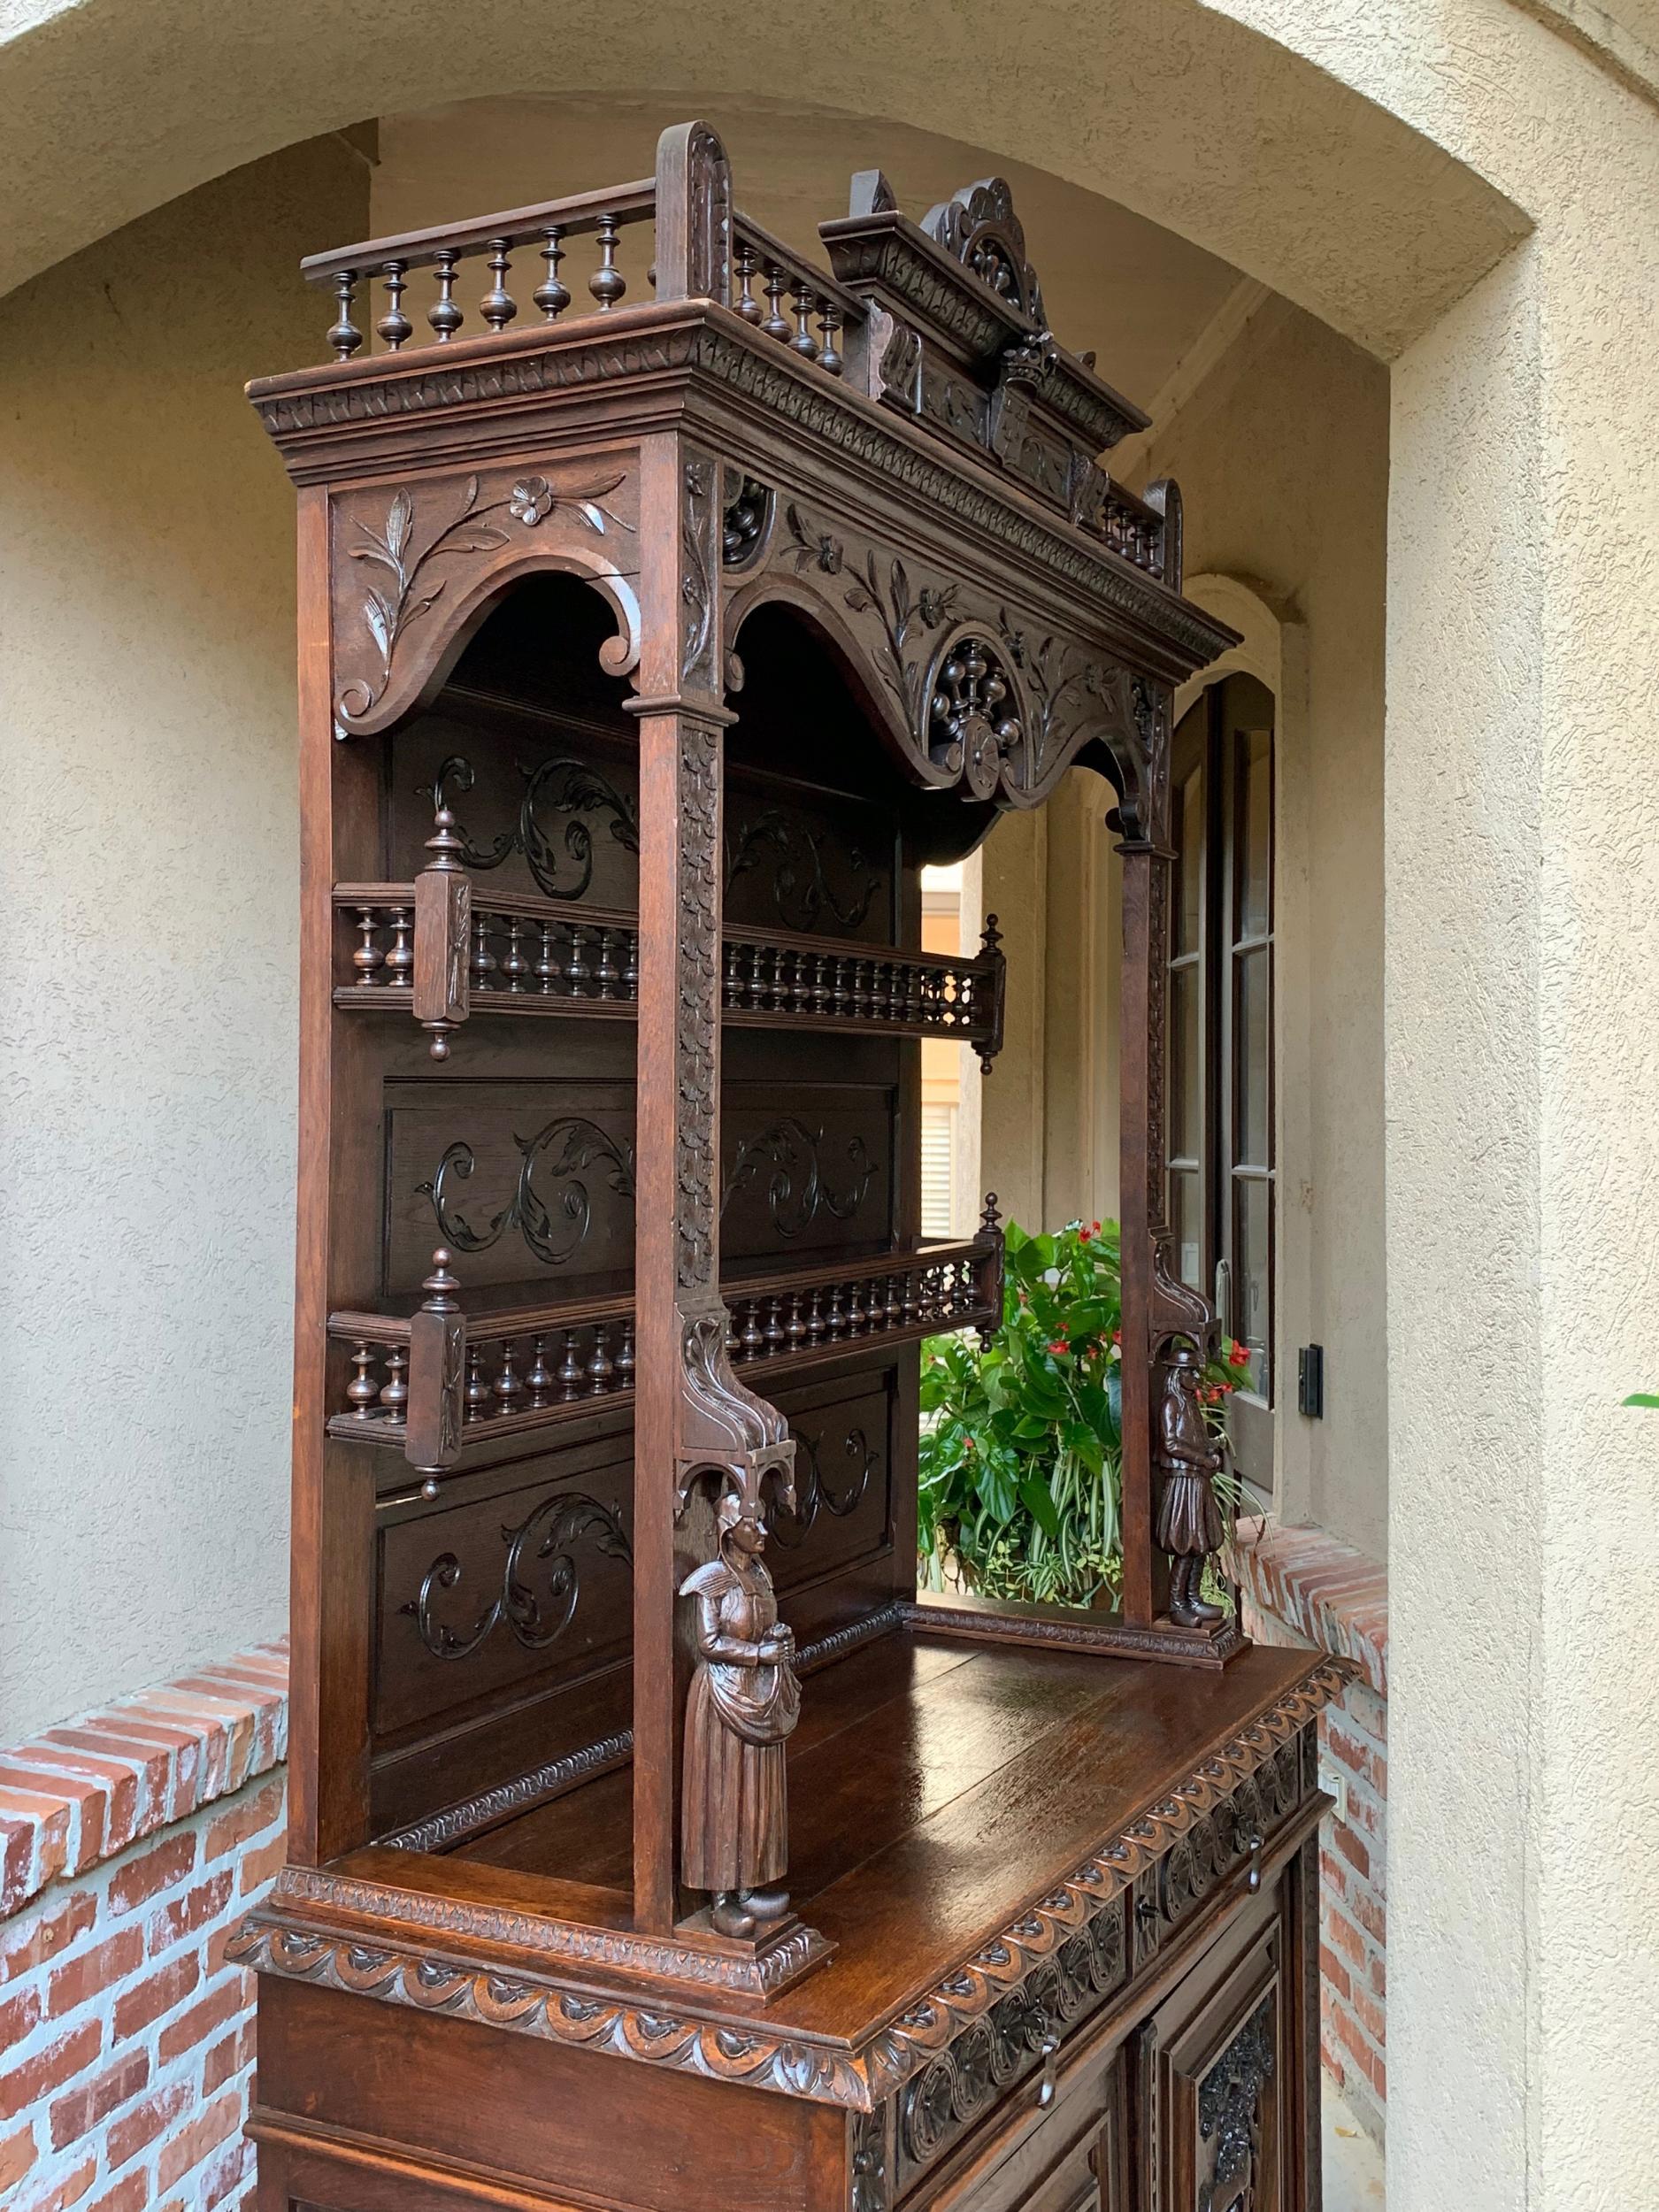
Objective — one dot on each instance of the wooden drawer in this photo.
(1064, 2156)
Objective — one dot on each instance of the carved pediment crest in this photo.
(980, 228)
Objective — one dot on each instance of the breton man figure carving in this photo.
(1189, 1519)
(744, 1703)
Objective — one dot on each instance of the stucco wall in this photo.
(1282, 455)
(148, 921)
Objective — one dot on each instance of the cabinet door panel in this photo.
(1217, 2065)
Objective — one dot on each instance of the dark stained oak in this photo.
(652, 1846)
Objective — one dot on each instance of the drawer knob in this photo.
(1253, 1880)
(1050, 2048)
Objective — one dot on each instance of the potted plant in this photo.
(1022, 1441)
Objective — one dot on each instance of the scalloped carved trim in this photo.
(861, 2078)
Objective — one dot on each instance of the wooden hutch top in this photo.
(897, 452)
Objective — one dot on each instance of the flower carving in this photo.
(531, 501)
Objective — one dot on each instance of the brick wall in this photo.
(1301, 1587)
(131, 1842)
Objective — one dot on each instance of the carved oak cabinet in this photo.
(652, 1846)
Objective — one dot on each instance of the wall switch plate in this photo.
(1311, 1381)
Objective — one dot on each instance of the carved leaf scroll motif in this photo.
(1230, 2102)
(547, 1538)
(398, 557)
(558, 790)
(551, 1207)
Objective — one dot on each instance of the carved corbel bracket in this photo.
(723, 1425)
(414, 568)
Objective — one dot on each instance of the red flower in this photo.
(1058, 1344)
(1117, 1336)
(1083, 1235)
(1238, 1355)
(1095, 1231)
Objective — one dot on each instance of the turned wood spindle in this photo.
(514, 967)
(775, 1337)
(400, 956)
(747, 305)
(605, 970)
(478, 1393)
(803, 300)
(600, 1367)
(539, 1381)
(498, 306)
(607, 283)
(368, 956)
(576, 969)
(345, 337)
(551, 295)
(631, 964)
(509, 1386)
(815, 1319)
(395, 1390)
(483, 963)
(569, 1367)
(547, 966)
(444, 316)
(395, 328)
(830, 358)
(797, 1323)
(362, 1393)
(625, 1356)
(776, 323)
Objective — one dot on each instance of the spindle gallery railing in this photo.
(775, 289)
(438, 1380)
(400, 951)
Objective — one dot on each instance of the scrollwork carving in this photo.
(554, 1226)
(974, 730)
(558, 786)
(697, 1024)
(797, 1188)
(696, 586)
(745, 520)
(813, 1491)
(410, 591)
(980, 228)
(802, 890)
(903, 614)
(546, 1537)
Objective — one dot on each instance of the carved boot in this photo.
(1183, 1598)
(731, 1915)
(766, 1905)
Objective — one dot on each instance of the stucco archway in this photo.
(1378, 180)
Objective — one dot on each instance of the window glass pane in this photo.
(1252, 862)
(1189, 860)
(1251, 1294)
(1185, 1218)
(1251, 1088)
(1186, 1069)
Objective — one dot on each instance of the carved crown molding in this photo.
(277, 1940)
(820, 406)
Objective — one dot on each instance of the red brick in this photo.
(263, 1865)
(59, 2195)
(232, 1829)
(45, 1819)
(28, 1943)
(18, 2015)
(1331, 2058)
(192, 2144)
(1372, 1917)
(17, 1863)
(1352, 2037)
(92, 1972)
(130, 2134)
(78, 2113)
(80, 1802)
(49, 2070)
(1351, 1845)
(1377, 1975)
(1333, 1873)
(160, 1867)
(185, 1915)
(1346, 1936)
(223, 2173)
(17, 2156)
(130, 2195)
(224, 2060)
(117, 1779)
(169, 1985)
(1335, 1973)
(195, 2026)
(1370, 2016)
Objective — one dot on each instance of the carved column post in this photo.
(691, 1414)
(1140, 1206)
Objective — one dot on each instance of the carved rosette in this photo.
(409, 566)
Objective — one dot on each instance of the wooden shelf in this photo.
(413, 952)
(432, 1391)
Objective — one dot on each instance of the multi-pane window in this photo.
(1221, 1033)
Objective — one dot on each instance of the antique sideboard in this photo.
(652, 1844)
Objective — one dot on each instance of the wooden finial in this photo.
(441, 1286)
(990, 1218)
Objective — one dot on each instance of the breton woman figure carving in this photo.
(1189, 1519)
(744, 1702)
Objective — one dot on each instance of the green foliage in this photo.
(1641, 1398)
(1022, 1440)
